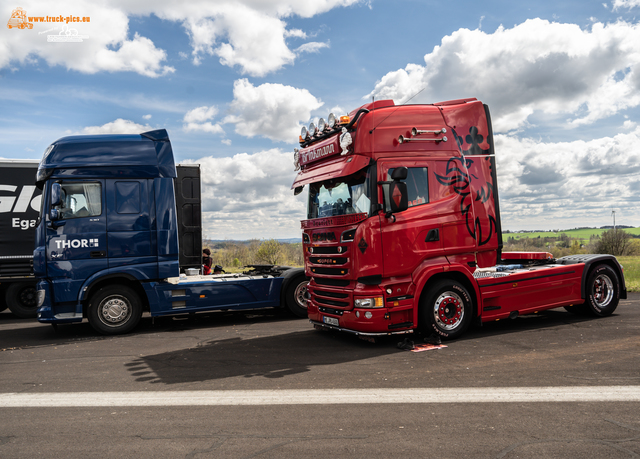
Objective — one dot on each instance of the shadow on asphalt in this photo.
(267, 357)
(27, 333)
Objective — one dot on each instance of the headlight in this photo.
(321, 125)
(376, 302)
(304, 133)
(331, 120)
(40, 297)
(312, 129)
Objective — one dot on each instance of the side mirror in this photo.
(56, 195)
(398, 201)
(399, 173)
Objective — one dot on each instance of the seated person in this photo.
(206, 261)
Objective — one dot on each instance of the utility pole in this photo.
(613, 213)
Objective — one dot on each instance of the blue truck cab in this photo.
(120, 225)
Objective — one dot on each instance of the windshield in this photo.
(340, 196)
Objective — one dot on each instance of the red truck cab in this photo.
(403, 228)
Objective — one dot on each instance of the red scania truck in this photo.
(403, 228)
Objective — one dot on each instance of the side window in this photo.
(417, 185)
(81, 200)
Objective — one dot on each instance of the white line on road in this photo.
(323, 396)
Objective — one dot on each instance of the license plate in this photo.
(330, 320)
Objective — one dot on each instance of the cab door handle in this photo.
(99, 254)
(433, 235)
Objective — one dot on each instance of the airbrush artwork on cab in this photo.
(464, 173)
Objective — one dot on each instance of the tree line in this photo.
(236, 254)
(613, 242)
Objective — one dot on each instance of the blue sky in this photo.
(233, 82)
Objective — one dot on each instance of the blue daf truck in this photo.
(118, 231)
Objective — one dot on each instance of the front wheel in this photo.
(603, 291)
(114, 310)
(22, 299)
(296, 296)
(447, 309)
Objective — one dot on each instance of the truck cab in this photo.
(117, 218)
(403, 227)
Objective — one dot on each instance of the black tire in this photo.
(3, 303)
(114, 310)
(446, 309)
(295, 296)
(22, 300)
(603, 291)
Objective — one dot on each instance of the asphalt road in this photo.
(270, 351)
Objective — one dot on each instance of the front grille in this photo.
(330, 271)
(339, 304)
(331, 282)
(328, 260)
(327, 250)
(332, 294)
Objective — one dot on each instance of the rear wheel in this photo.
(114, 310)
(296, 296)
(603, 291)
(447, 309)
(22, 300)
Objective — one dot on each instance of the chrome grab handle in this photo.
(403, 139)
(416, 131)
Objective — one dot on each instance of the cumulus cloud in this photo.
(119, 126)
(199, 118)
(619, 4)
(250, 194)
(546, 185)
(109, 46)
(558, 69)
(270, 110)
(247, 34)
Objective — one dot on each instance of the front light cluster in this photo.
(332, 122)
(367, 303)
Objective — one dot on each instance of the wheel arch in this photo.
(114, 279)
(455, 275)
(591, 261)
(289, 275)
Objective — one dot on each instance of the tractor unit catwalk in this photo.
(403, 228)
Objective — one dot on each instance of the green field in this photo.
(583, 233)
(631, 267)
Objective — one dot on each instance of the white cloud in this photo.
(199, 118)
(248, 34)
(311, 47)
(108, 47)
(566, 184)
(554, 68)
(250, 195)
(146, 117)
(270, 110)
(618, 4)
(119, 126)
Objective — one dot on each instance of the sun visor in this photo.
(338, 167)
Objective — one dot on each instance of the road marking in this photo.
(323, 396)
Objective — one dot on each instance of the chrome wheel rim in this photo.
(602, 290)
(448, 311)
(114, 310)
(300, 295)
